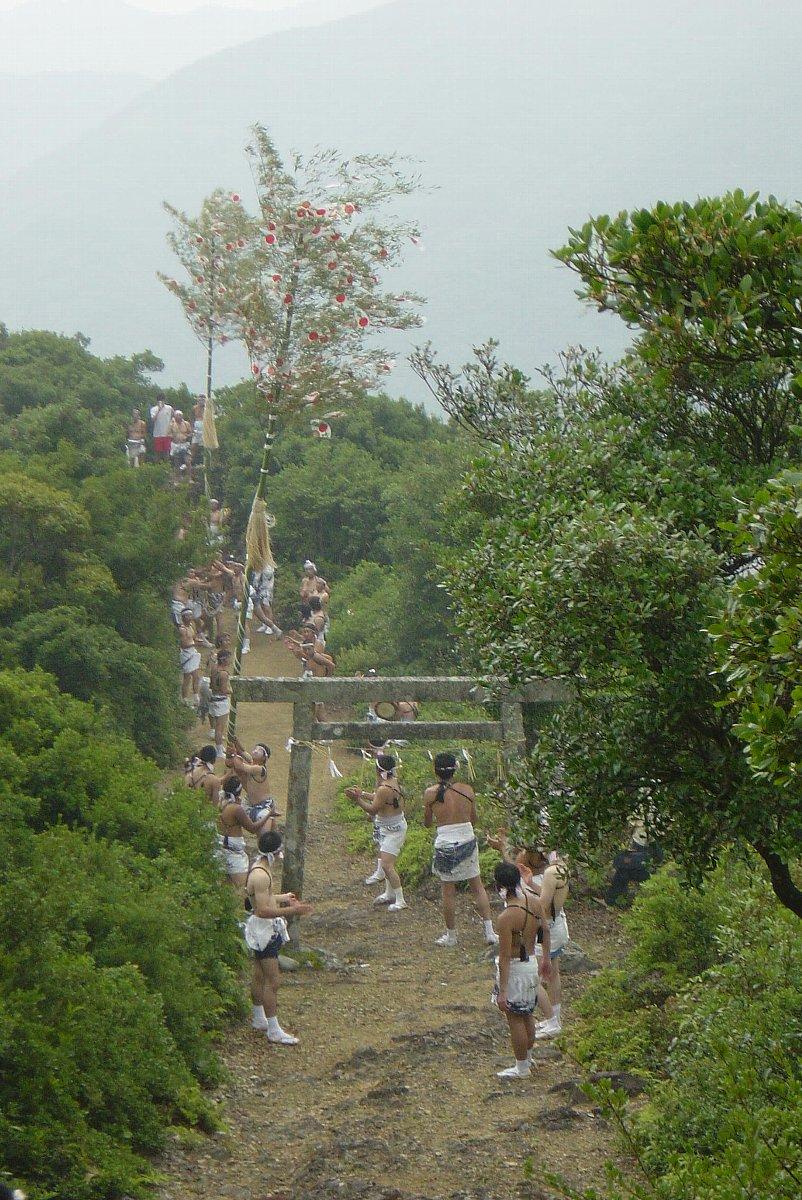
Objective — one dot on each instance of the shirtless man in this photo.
(251, 770)
(304, 644)
(265, 934)
(456, 853)
(213, 597)
(190, 659)
(232, 821)
(199, 773)
(220, 701)
(516, 988)
(313, 585)
(180, 432)
(319, 619)
(179, 600)
(196, 444)
(385, 806)
(550, 882)
(261, 605)
(135, 439)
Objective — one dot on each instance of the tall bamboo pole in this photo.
(207, 454)
(270, 437)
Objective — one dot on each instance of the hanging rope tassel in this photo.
(257, 538)
(469, 760)
(210, 441)
(334, 770)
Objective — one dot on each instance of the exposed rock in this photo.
(633, 1085)
(574, 961)
(287, 964)
(560, 1118)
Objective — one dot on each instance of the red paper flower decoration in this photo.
(235, 196)
(340, 298)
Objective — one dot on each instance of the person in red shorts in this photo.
(161, 415)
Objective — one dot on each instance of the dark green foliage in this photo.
(717, 1022)
(606, 547)
(119, 949)
(120, 953)
(87, 546)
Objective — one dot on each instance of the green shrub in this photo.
(723, 1119)
(119, 950)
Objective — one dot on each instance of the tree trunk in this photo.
(782, 882)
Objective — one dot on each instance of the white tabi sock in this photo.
(273, 1025)
(258, 1018)
(556, 1010)
(389, 892)
(488, 925)
(399, 895)
(520, 1070)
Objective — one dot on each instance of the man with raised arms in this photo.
(189, 657)
(251, 770)
(265, 934)
(220, 699)
(452, 809)
(386, 807)
(233, 821)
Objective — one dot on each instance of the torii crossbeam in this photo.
(340, 692)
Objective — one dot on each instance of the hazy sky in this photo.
(182, 5)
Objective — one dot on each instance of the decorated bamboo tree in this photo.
(305, 295)
(209, 248)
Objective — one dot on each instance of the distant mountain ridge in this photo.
(525, 117)
(112, 36)
(46, 111)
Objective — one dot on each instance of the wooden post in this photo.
(296, 817)
(513, 741)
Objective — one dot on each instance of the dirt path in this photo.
(392, 1091)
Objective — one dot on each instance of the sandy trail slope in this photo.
(392, 1091)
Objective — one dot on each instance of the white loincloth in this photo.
(219, 706)
(233, 857)
(522, 983)
(259, 932)
(558, 928)
(390, 835)
(134, 448)
(453, 837)
(190, 659)
(197, 433)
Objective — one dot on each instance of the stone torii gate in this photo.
(539, 697)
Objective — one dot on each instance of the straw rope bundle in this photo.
(257, 538)
(210, 441)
